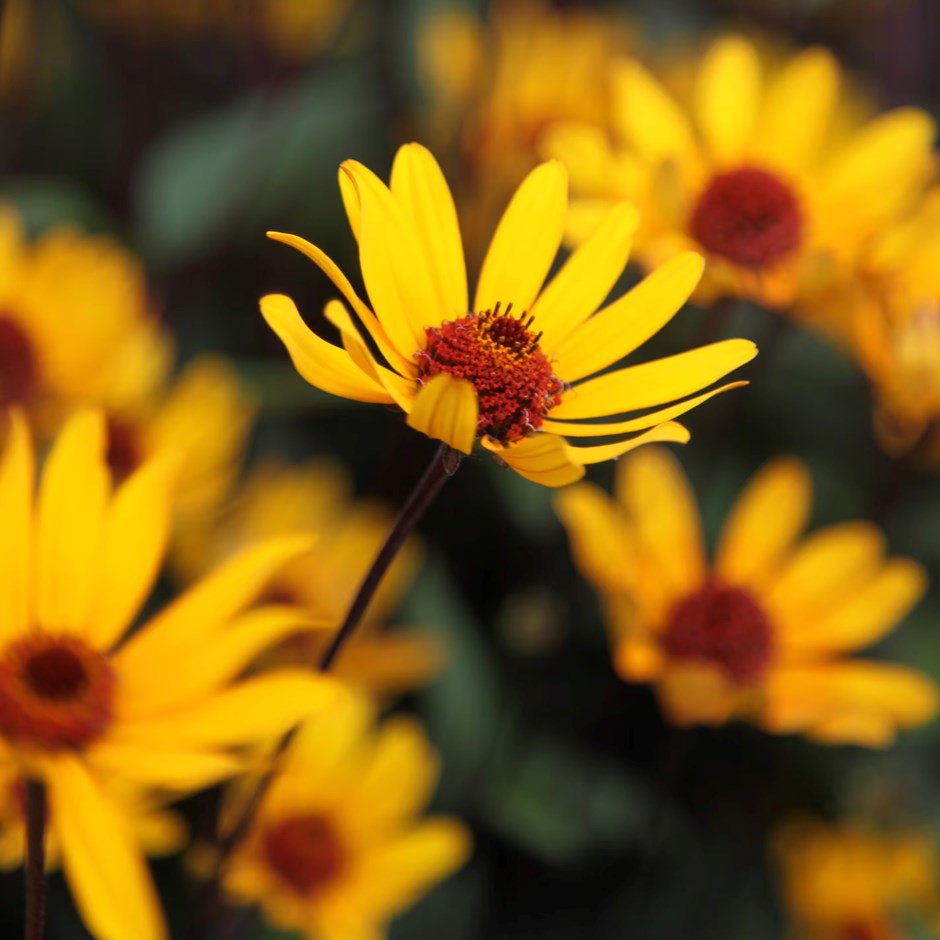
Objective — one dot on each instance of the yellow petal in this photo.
(617, 330)
(797, 110)
(655, 383)
(105, 869)
(639, 659)
(859, 728)
(767, 518)
(419, 185)
(662, 508)
(72, 503)
(402, 364)
(17, 478)
(696, 694)
(669, 432)
(526, 241)
(180, 771)
(350, 196)
(133, 546)
(446, 409)
(586, 278)
(322, 364)
(727, 94)
(541, 458)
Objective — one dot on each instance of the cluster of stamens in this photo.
(304, 852)
(56, 692)
(500, 355)
(724, 626)
(18, 367)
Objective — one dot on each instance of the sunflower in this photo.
(90, 713)
(853, 880)
(518, 369)
(336, 848)
(315, 498)
(761, 632)
(765, 170)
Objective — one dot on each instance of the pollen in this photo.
(724, 626)
(749, 217)
(304, 852)
(500, 355)
(19, 372)
(56, 692)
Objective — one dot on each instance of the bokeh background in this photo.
(188, 129)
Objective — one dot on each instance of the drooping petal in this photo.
(17, 478)
(542, 458)
(323, 365)
(586, 279)
(627, 323)
(72, 503)
(105, 869)
(669, 432)
(446, 409)
(727, 94)
(419, 185)
(766, 520)
(655, 383)
(526, 241)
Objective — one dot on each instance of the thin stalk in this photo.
(35, 811)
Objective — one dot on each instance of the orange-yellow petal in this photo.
(446, 409)
(17, 470)
(542, 458)
(669, 432)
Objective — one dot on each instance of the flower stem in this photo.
(35, 811)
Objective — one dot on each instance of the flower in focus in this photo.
(519, 369)
(761, 633)
(315, 498)
(89, 712)
(850, 881)
(336, 848)
(763, 170)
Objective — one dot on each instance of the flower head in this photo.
(518, 369)
(762, 168)
(337, 848)
(761, 632)
(90, 712)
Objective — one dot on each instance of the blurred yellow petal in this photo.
(165, 769)
(696, 694)
(766, 520)
(17, 470)
(669, 432)
(541, 458)
(630, 321)
(526, 241)
(70, 519)
(446, 409)
(322, 364)
(638, 659)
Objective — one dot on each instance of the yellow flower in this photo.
(518, 369)
(851, 881)
(336, 848)
(315, 498)
(758, 171)
(761, 633)
(90, 712)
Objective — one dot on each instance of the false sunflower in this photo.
(764, 169)
(762, 632)
(337, 847)
(519, 369)
(855, 881)
(93, 714)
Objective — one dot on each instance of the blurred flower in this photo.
(336, 848)
(849, 881)
(315, 499)
(767, 174)
(761, 633)
(515, 368)
(88, 713)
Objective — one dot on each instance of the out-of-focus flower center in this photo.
(304, 852)
(724, 626)
(56, 692)
(859, 930)
(499, 354)
(124, 454)
(19, 372)
(748, 216)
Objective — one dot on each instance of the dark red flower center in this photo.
(304, 852)
(19, 370)
(722, 625)
(55, 692)
(500, 355)
(861, 930)
(125, 452)
(748, 216)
